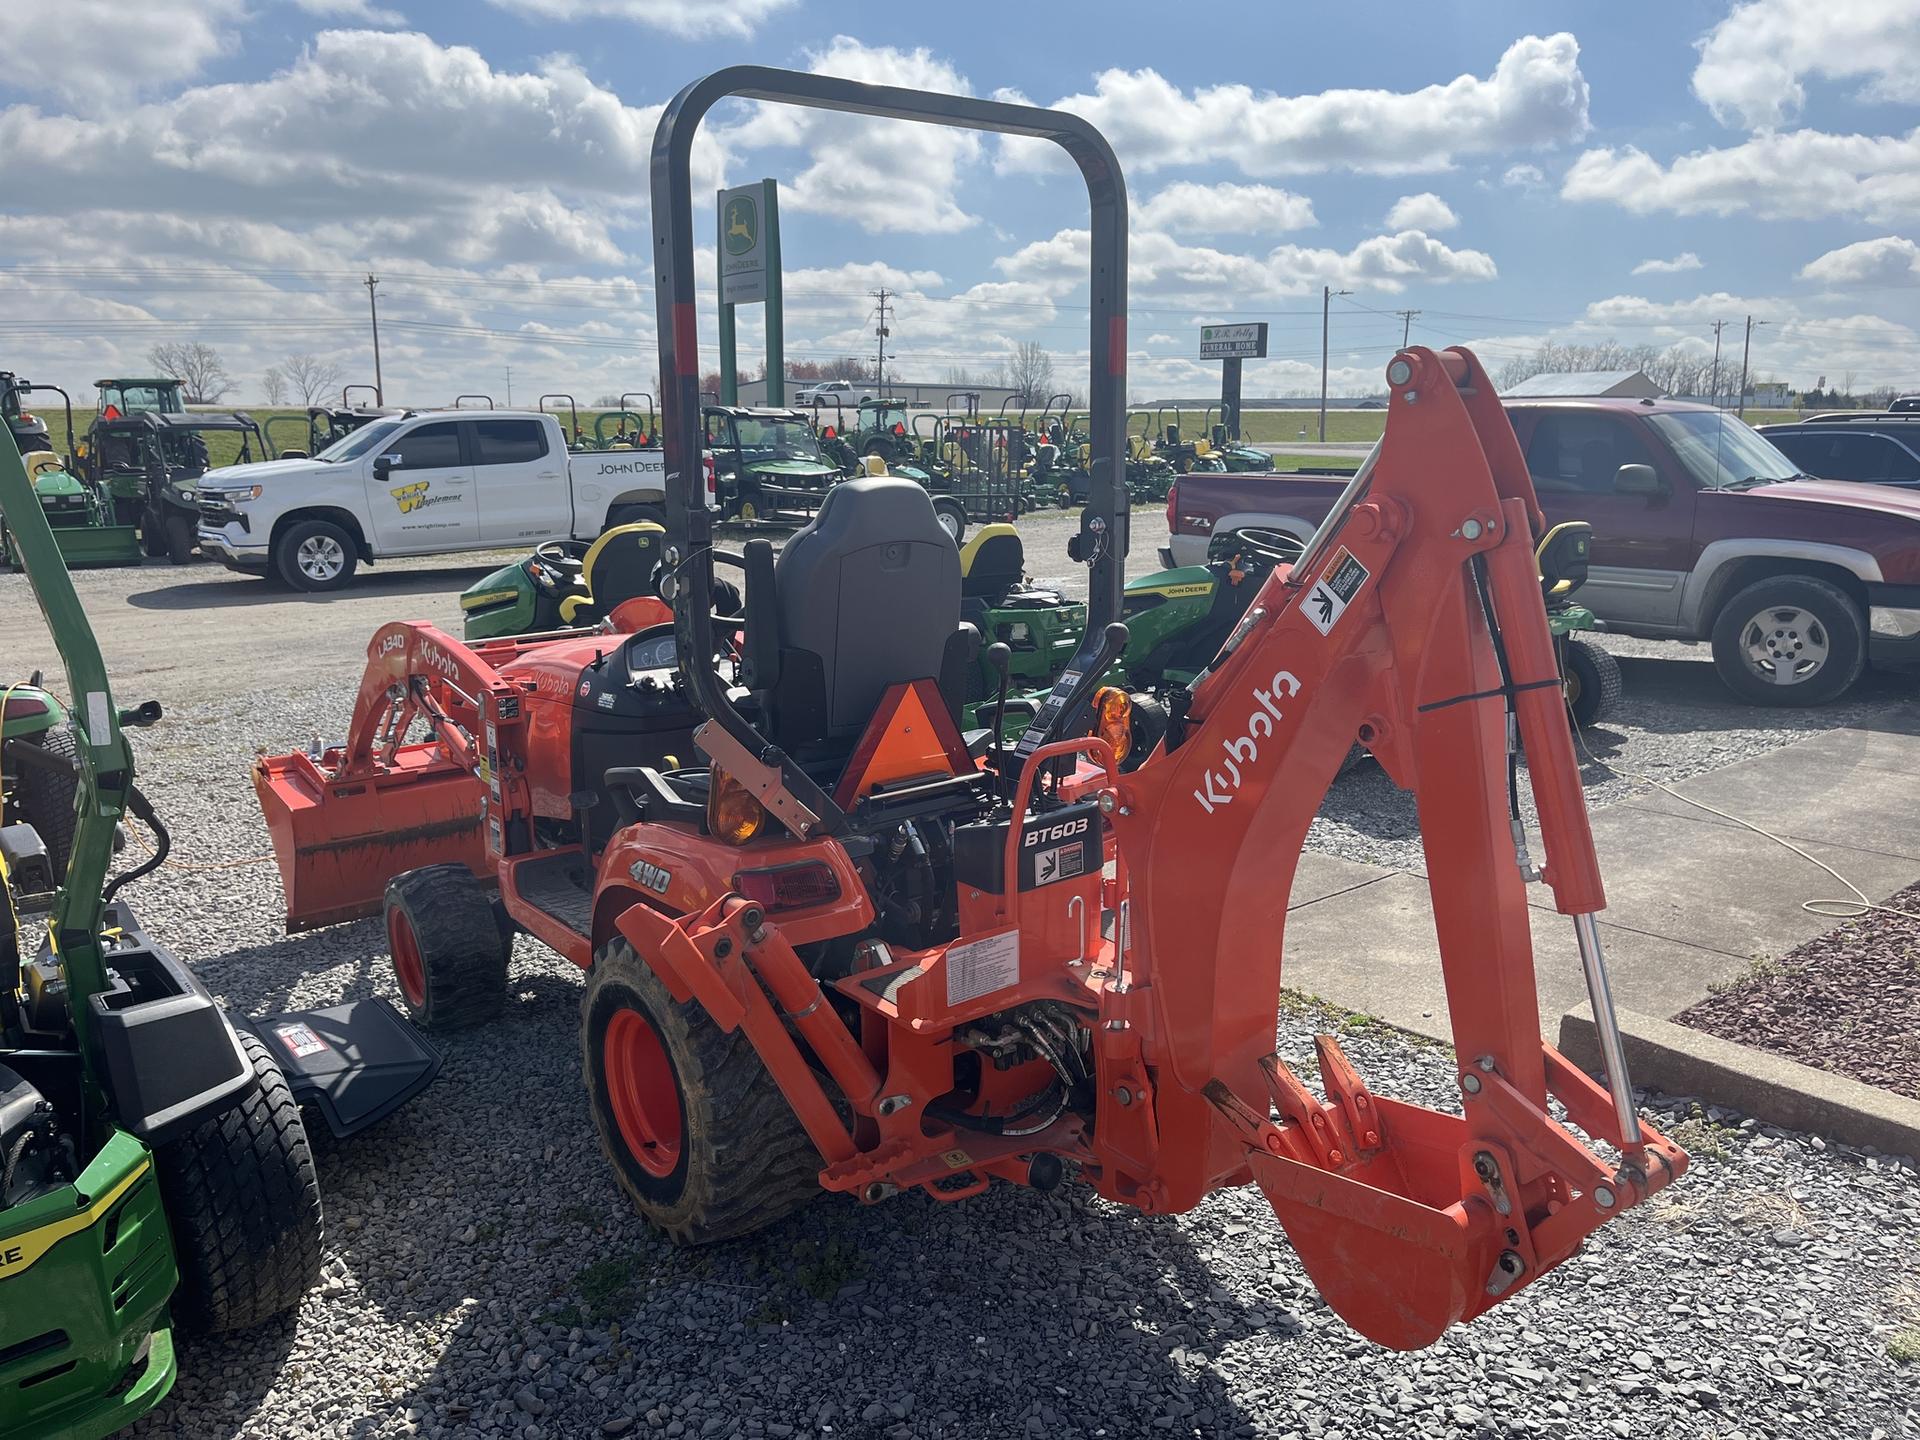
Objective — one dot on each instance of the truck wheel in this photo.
(1592, 679)
(244, 1205)
(449, 948)
(952, 516)
(315, 555)
(182, 536)
(697, 1131)
(45, 797)
(635, 515)
(1789, 640)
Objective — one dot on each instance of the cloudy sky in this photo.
(230, 170)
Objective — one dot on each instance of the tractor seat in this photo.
(863, 597)
(621, 565)
(1562, 558)
(992, 563)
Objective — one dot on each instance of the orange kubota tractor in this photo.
(831, 942)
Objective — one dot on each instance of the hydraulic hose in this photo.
(163, 845)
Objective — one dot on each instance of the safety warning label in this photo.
(299, 1040)
(1334, 591)
(982, 966)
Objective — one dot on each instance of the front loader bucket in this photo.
(338, 842)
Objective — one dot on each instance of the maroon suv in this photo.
(1702, 530)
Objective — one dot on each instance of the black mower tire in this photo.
(742, 1161)
(45, 797)
(243, 1202)
(182, 537)
(1592, 679)
(153, 534)
(460, 944)
(1828, 615)
(286, 556)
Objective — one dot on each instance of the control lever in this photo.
(1000, 657)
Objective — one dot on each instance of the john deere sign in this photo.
(743, 244)
(1234, 342)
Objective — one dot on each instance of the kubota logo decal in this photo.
(1223, 784)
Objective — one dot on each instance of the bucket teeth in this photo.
(1348, 1092)
(1321, 1126)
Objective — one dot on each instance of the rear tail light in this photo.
(798, 886)
(19, 707)
(1173, 503)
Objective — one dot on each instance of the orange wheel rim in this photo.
(640, 1085)
(407, 966)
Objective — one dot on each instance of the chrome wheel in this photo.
(321, 558)
(1785, 645)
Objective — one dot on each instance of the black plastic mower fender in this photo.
(356, 1063)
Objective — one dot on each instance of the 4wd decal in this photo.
(1327, 601)
(415, 497)
(1223, 784)
(655, 877)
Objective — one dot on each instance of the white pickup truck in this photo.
(429, 482)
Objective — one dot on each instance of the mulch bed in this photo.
(1847, 1002)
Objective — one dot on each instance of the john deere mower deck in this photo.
(832, 943)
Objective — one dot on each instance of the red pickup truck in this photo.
(1702, 530)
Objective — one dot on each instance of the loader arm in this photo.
(1416, 625)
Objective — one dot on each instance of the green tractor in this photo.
(148, 465)
(1176, 449)
(881, 429)
(1223, 440)
(79, 512)
(155, 1170)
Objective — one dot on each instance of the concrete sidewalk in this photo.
(1692, 900)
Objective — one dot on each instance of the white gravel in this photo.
(484, 1276)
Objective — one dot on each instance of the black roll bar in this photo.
(1103, 524)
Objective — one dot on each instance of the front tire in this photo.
(698, 1134)
(449, 949)
(1591, 676)
(244, 1205)
(1790, 640)
(315, 555)
(182, 537)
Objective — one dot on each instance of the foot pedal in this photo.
(356, 1063)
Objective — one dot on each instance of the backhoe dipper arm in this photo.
(1415, 627)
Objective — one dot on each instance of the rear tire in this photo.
(1790, 640)
(696, 1130)
(153, 534)
(315, 555)
(1592, 679)
(449, 948)
(244, 1205)
(46, 797)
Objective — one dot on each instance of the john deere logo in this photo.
(743, 225)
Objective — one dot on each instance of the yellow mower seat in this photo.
(992, 561)
(1562, 558)
(40, 460)
(618, 566)
(873, 464)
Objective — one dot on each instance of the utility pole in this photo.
(1327, 293)
(1406, 330)
(509, 387)
(881, 332)
(1745, 350)
(1718, 326)
(373, 307)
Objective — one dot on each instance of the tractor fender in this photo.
(662, 943)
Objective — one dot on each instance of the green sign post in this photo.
(749, 255)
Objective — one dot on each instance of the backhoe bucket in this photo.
(338, 842)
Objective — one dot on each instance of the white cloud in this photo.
(884, 175)
(1685, 260)
(1224, 209)
(1524, 177)
(1425, 211)
(1798, 175)
(89, 52)
(1892, 260)
(688, 19)
(1536, 97)
(364, 12)
(1752, 63)
(420, 148)
(1162, 268)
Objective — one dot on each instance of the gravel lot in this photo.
(485, 1278)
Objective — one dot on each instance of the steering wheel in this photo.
(556, 557)
(1275, 545)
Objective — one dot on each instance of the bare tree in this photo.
(194, 365)
(1031, 372)
(276, 386)
(311, 378)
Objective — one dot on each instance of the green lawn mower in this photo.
(155, 1170)
(1221, 440)
(79, 513)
